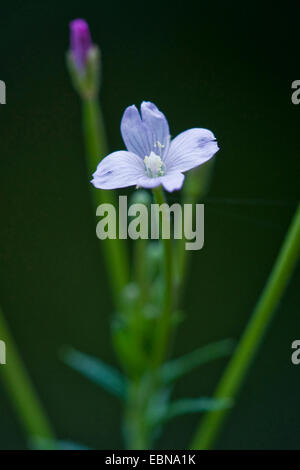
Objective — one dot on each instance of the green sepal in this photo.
(86, 82)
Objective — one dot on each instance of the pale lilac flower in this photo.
(80, 42)
(152, 158)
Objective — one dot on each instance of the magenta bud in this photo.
(81, 42)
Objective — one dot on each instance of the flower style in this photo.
(81, 42)
(152, 158)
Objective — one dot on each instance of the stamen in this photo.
(154, 165)
(160, 146)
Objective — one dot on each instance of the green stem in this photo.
(164, 322)
(137, 432)
(22, 393)
(252, 337)
(96, 146)
(140, 269)
(141, 278)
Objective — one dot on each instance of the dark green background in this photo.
(227, 66)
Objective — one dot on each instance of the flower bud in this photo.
(81, 43)
(83, 60)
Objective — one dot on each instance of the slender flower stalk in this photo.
(114, 252)
(23, 395)
(235, 373)
(140, 269)
(84, 64)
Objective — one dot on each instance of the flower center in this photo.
(154, 165)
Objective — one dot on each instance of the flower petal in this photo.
(159, 127)
(136, 134)
(149, 183)
(118, 170)
(190, 149)
(171, 182)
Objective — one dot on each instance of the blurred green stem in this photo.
(252, 337)
(137, 431)
(96, 146)
(164, 321)
(22, 393)
(140, 269)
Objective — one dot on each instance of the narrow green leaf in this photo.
(178, 367)
(97, 371)
(196, 405)
(40, 443)
(70, 445)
